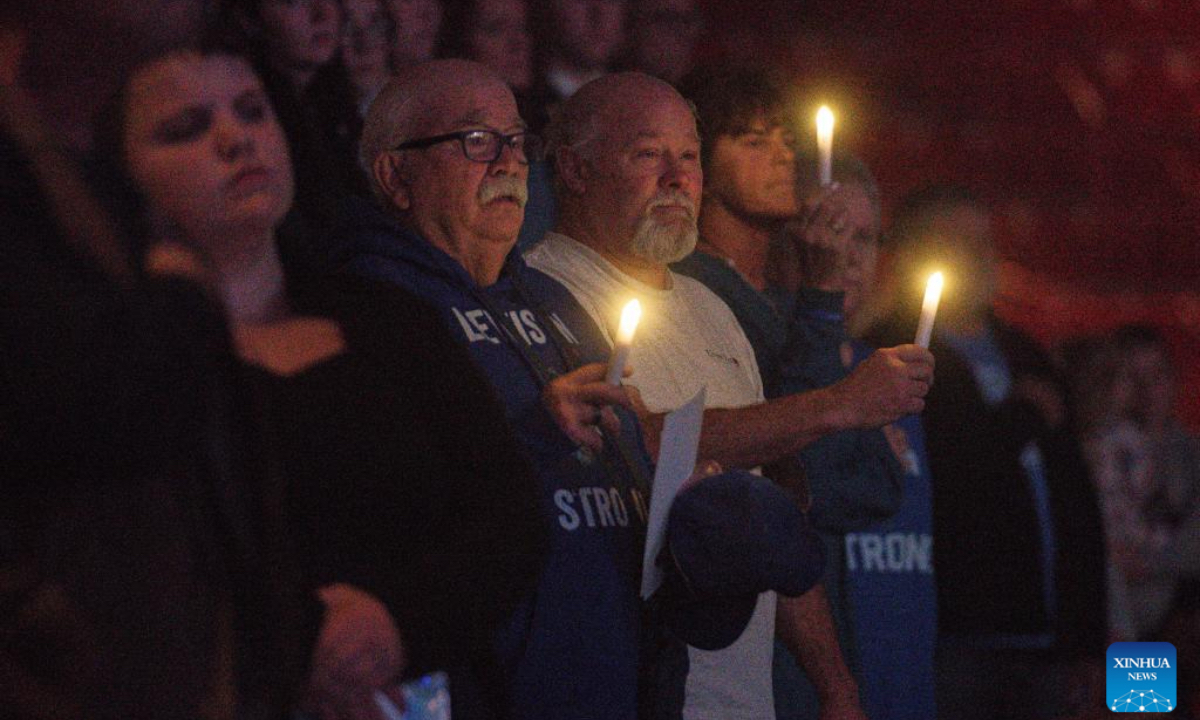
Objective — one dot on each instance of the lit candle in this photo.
(825, 144)
(933, 294)
(620, 355)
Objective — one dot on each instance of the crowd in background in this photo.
(200, 405)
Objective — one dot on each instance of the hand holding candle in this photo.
(825, 144)
(620, 355)
(933, 294)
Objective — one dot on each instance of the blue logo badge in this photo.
(1141, 677)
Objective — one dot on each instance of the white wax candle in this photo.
(825, 144)
(933, 295)
(620, 355)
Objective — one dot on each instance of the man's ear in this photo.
(572, 169)
(390, 180)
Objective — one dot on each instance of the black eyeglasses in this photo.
(485, 146)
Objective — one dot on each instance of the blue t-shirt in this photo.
(571, 651)
(892, 592)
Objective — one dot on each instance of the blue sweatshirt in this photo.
(571, 650)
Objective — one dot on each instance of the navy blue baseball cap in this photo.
(731, 537)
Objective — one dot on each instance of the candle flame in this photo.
(825, 121)
(936, 282)
(630, 317)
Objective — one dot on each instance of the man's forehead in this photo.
(654, 121)
(482, 104)
(487, 116)
(658, 132)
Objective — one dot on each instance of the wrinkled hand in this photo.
(821, 236)
(358, 653)
(888, 385)
(580, 403)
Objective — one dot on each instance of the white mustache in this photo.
(504, 187)
(673, 198)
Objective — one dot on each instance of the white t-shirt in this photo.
(688, 338)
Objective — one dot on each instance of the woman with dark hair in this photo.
(402, 481)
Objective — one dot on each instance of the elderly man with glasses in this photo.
(447, 154)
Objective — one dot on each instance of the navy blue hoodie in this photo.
(571, 651)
